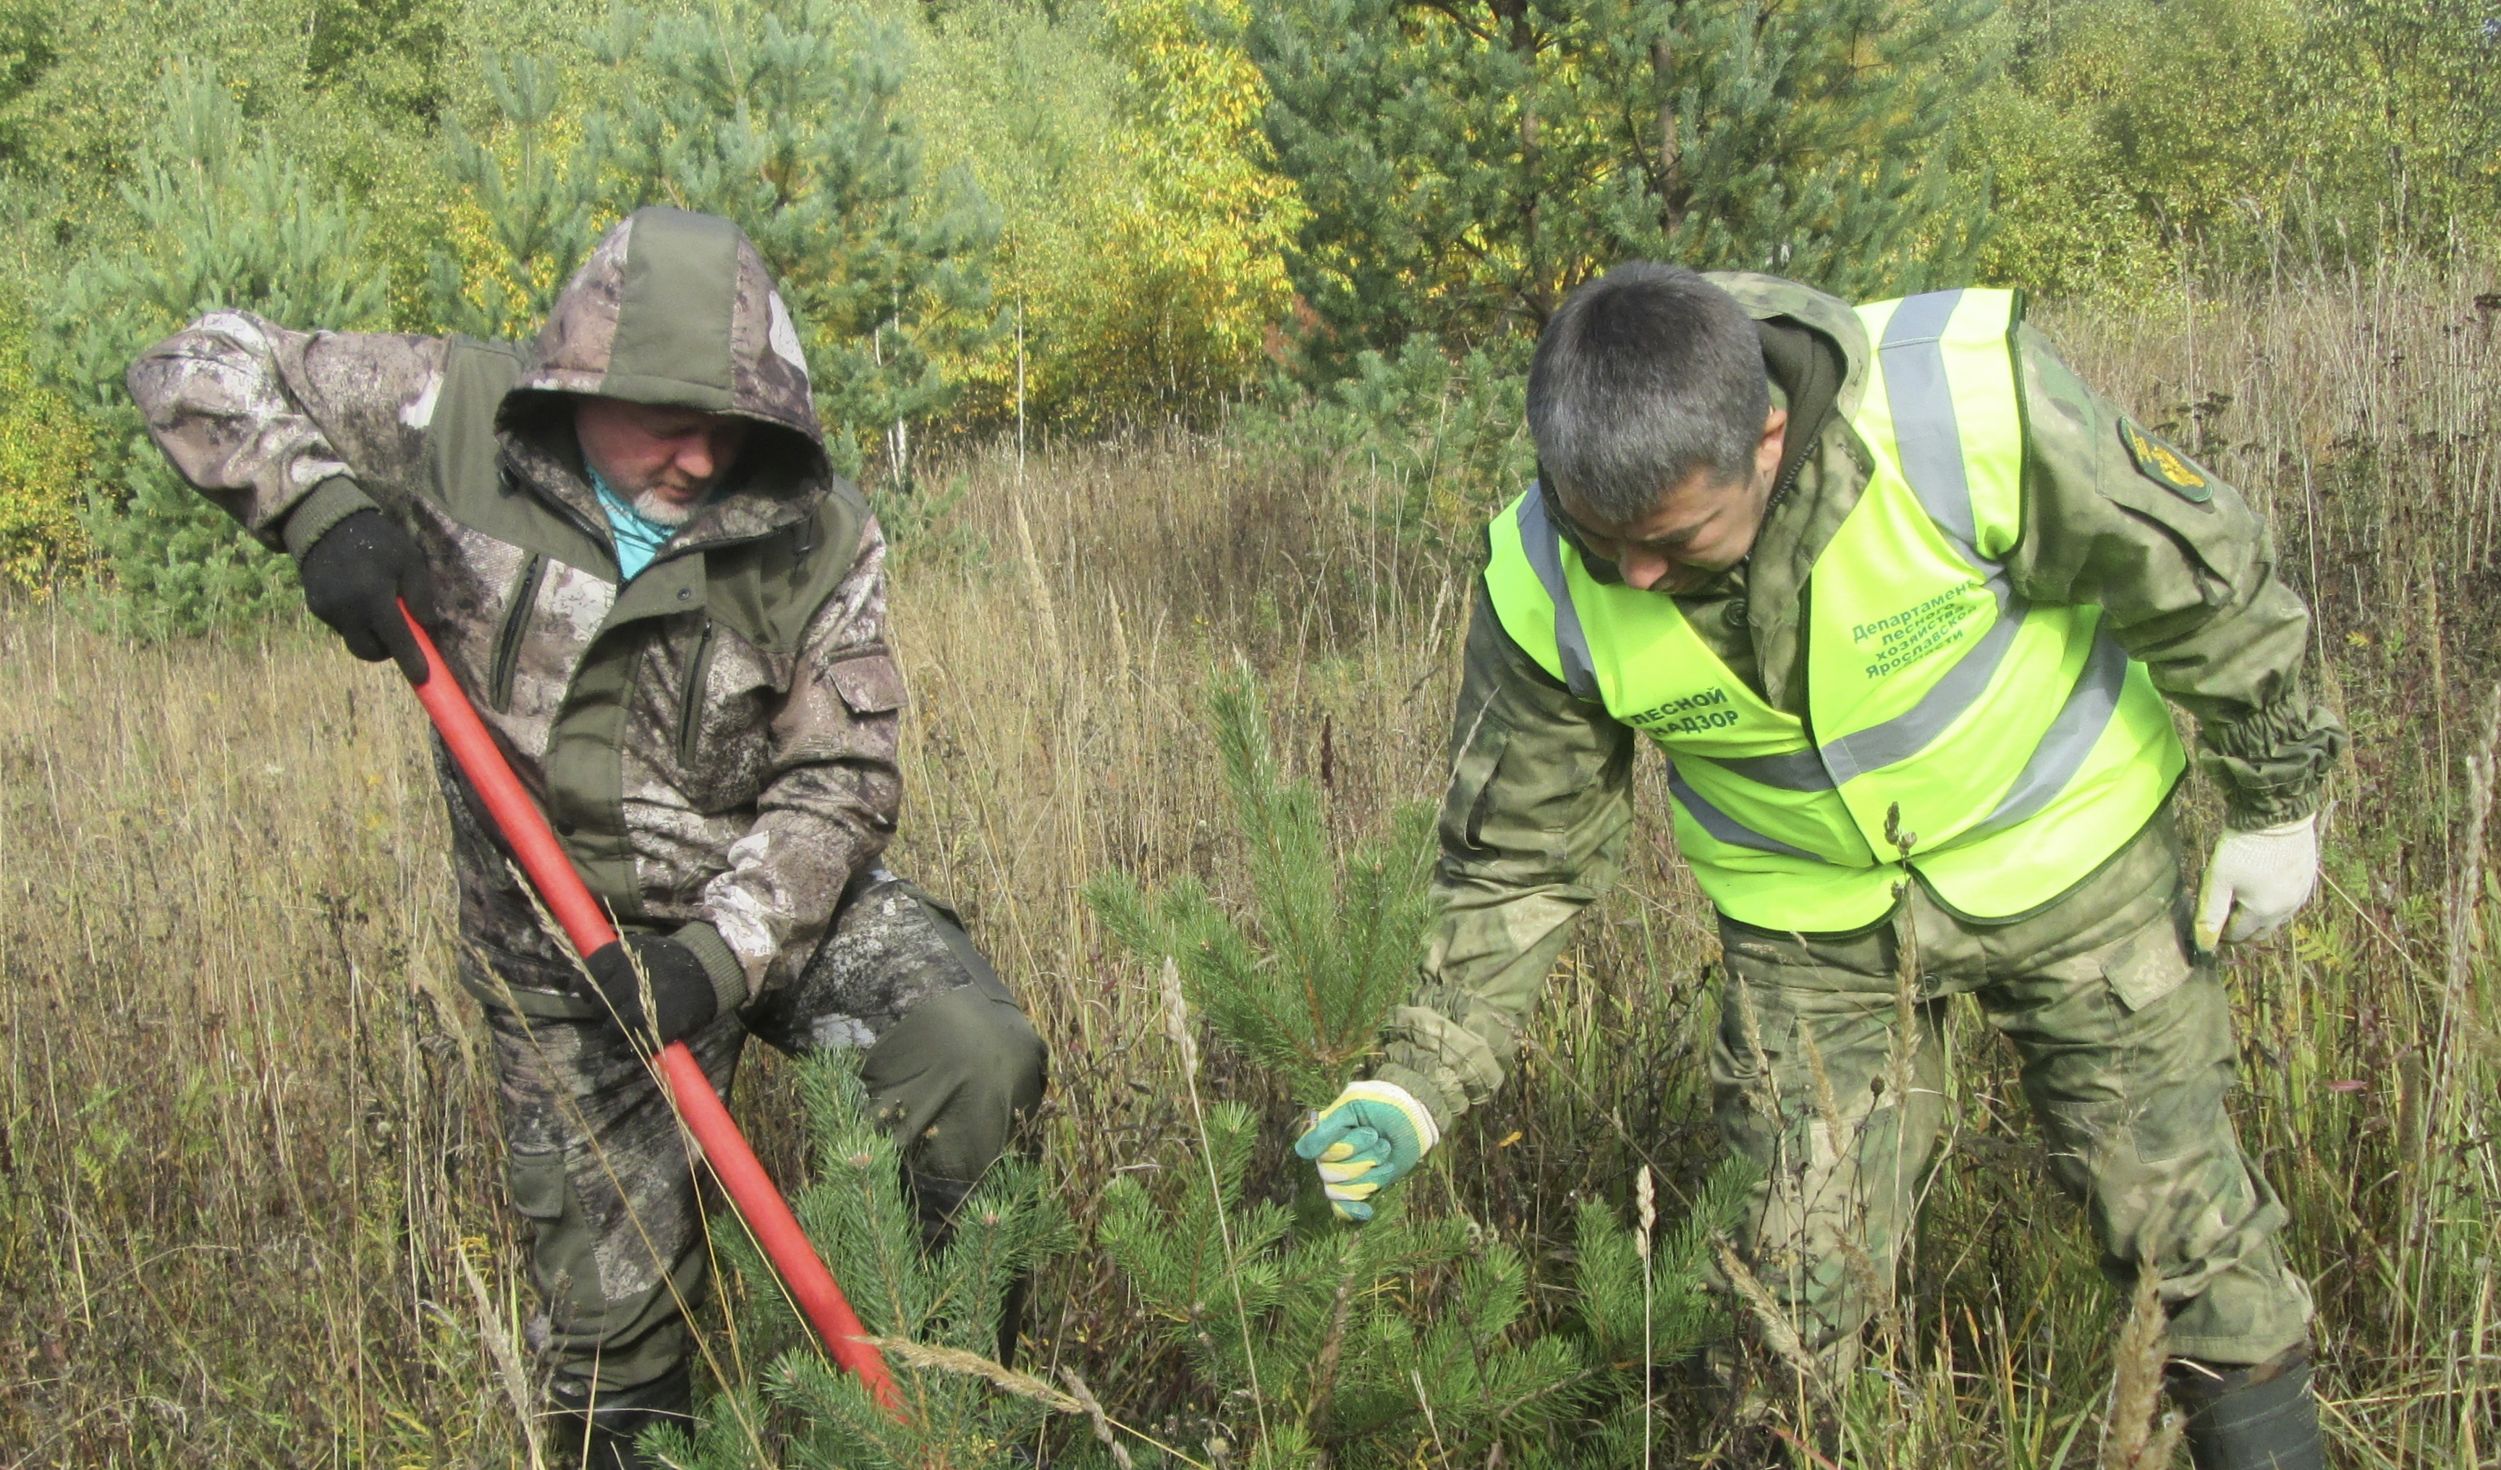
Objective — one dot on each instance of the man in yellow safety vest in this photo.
(1905, 605)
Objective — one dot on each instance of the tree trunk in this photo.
(1671, 177)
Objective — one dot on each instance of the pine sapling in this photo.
(1357, 1346)
(935, 1314)
(1304, 984)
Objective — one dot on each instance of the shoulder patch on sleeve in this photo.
(2164, 465)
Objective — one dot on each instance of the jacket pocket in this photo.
(690, 707)
(867, 682)
(1464, 809)
(516, 628)
(538, 1184)
(2147, 966)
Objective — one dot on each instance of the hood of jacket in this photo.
(1792, 317)
(679, 310)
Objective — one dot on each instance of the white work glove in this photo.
(1370, 1138)
(2256, 881)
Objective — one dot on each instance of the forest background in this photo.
(1173, 338)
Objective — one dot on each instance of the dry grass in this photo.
(246, 1144)
(245, 1136)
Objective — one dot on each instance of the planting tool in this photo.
(776, 1230)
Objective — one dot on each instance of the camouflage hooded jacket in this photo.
(1535, 820)
(713, 740)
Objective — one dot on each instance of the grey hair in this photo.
(1644, 376)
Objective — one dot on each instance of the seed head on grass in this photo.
(1764, 1093)
(1646, 1215)
(1177, 1022)
(1771, 1321)
(2138, 1435)
(970, 1364)
(1093, 1410)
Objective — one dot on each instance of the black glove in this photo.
(681, 993)
(354, 575)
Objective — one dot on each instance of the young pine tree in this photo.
(530, 208)
(785, 115)
(224, 217)
(1360, 1344)
(1302, 990)
(782, 1401)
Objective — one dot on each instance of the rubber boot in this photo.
(935, 1199)
(2261, 1418)
(601, 1436)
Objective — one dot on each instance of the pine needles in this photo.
(934, 1313)
(1304, 985)
(1355, 1346)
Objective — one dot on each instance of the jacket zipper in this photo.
(516, 626)
(518, 483)
(690, 711)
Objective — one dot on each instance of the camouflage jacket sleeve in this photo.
(1532, 831)
(829, 802)
(268, 422)
(2186, 574)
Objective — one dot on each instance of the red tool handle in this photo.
(776, 1230)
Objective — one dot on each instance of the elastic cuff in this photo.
(721, 965)
(2255, 811)
(331, 501)
(1429, 1101)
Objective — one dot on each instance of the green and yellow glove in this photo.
(1370, 1138)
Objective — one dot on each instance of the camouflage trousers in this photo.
(2126, 1049)
(596, 1163)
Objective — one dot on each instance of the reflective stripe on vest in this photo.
(1724, 827)
(1956, 703)
(2062, 751)
(1544, 547)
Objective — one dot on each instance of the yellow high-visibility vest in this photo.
(2018, 744)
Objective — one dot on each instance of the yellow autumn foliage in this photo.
(1140, 264)
(45, 451)
(490, 281)
(1211, 225)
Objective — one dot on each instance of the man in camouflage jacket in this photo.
(2107, 990)
(630, 546)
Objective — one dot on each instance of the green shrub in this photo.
(45, 451)
(1447, 435)
(2058, 225)
(226, 218)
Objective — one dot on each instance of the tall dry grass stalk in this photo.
(1645, 1221)
(2462, 942)
(1177, 1030)
(2136, 1433)
(1770, 1320)
(498, 1331)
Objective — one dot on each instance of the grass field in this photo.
(250, 1197)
